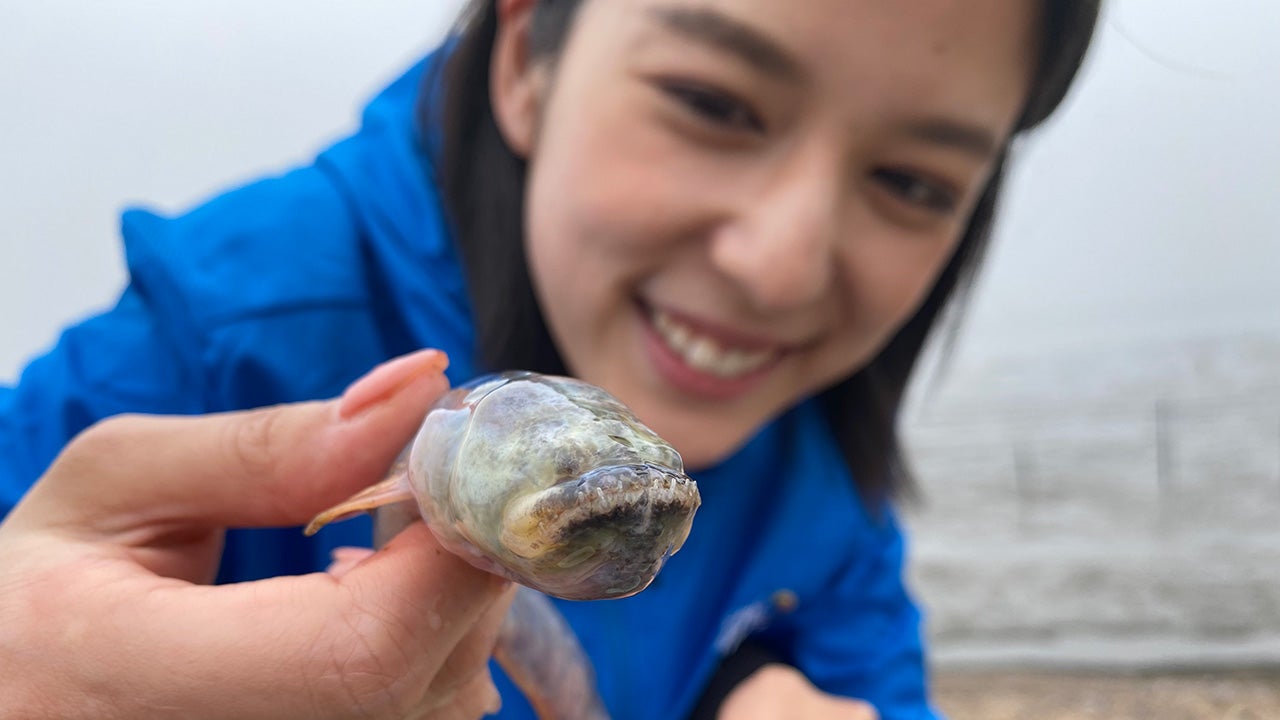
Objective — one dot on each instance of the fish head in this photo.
(555, 484)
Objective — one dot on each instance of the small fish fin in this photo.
(392, 490)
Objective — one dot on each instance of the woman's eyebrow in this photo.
(971, 139)
(722, 32)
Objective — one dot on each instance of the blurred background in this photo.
(1099, 456)
(1101, 460)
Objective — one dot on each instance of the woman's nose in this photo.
(781, 247)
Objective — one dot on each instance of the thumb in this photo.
(439, 614)
(269, 467)
(369, 644)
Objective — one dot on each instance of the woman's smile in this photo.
(703, 358)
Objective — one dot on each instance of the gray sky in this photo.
(1148, 210)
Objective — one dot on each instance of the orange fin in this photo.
(392, 490)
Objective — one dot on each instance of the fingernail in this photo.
(494, 704)
(344, 559)
(388, 379)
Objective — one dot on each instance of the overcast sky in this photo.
(1149, 209)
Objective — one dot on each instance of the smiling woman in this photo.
(839, 176)
(717, 210)
(743, 219)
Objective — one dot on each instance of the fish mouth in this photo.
(604, 534)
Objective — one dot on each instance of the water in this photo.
(1102, 507)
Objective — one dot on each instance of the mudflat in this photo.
(1252, 694)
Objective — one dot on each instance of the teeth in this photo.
(704, 353)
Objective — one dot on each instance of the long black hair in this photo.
(482, 182)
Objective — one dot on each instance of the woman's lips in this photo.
(708, 353)
(705, 361)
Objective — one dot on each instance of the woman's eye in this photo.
(715, 106)
(919, 191)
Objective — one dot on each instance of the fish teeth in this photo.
(705, 353)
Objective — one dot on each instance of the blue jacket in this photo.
(289, 288)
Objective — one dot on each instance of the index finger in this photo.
(269, 467)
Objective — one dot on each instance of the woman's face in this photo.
(733, 204)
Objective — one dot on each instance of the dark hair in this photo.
(482, 182)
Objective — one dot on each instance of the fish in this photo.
(555, 484)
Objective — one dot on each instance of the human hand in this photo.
(781, 692)
(104, 607)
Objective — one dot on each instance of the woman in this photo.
(743, 219)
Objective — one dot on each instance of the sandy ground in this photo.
(1235, 695)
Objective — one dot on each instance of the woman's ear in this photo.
(515, 80)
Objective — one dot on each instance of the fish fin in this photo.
(392, 490)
